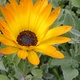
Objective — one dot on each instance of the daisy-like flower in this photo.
(26, 29)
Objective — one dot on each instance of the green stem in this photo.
(56, 73)
(24, 70)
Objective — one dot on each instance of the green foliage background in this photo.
(12, 68)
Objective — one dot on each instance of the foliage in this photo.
(12, 68)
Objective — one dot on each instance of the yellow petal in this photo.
(12, 17)
(33, 58)
(11, 21)
(24, 13)
(38, 15)
(22, 54)
(49, 50)
(53, 16)
(14, 6)
(40, 27)
(45, 3)
(9, 50)
(7, 15)
(56, 40)
(11, 9)
(50, 20)
(23, 9)
(5, 30)
(7, 41)
(14, 3)
(35, 14)
(57, 31)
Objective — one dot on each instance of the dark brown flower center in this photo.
(27, 38)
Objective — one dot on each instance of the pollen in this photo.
(27, 38)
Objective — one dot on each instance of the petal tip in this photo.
(68, 28)
(59, 55)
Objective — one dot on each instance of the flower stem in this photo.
(24, 70)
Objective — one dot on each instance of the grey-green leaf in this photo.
(75, 3)
(69, 73)
(2, 66)
(3, 77)
(75, 32)
(37, 73)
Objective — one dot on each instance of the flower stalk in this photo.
(24, 70)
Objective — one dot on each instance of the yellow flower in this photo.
(26, 30)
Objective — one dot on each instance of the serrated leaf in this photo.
(28, 77)
(2, 2)
(69, 73)
(44, 67)
(16, 60)
(3, 77)
(78, 11)
(48, 76)
(34, 1)
(75, 3)
(2, 67)
(75, 32)
(77, 23)
(17, 73)
(69, 20)
(35, 78)
(55, 3)
(37, 73)
(65, 61)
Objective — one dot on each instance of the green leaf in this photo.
(28, 77)
(77, 23)
(2, 66)
(69, 73)
(18, 74)
(16, 60)
(37, 73)
(69, 20)
(34, 1)
(65, 61)
(75, 3)
(44, 67)
(55, 3)
(78, 11)
(3, 77)
(35, 78)
(75, 32)
(48, 76)
(2, 2)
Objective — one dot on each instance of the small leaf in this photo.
(28, 77)
(65, 61)
(17, 73)
(2, 66)
(3, 77)
(69, 73)
(44, 67)
(48, 76)
(2, 2)
(35, 78)
(16, 60)
(34, 1)
(75, 32)
(55, 3)
(37, 73)
(69, 20)
(75, 3)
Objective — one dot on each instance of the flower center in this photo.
(27, 38)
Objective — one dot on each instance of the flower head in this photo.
(26, 29)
